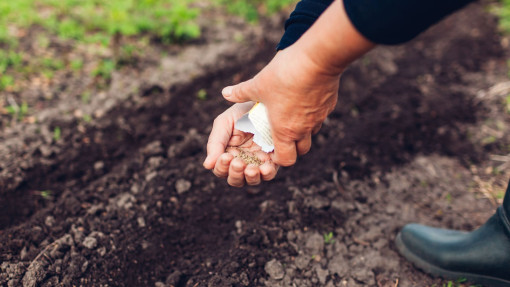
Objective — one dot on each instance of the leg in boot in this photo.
(481, 256)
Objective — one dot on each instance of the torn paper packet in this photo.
(256, 122)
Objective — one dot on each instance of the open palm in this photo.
(232, 154)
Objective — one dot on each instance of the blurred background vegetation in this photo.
(39, 39)
(44, 43)
(105, 23)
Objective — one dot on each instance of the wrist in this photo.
(332, 42)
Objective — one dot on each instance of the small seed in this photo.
(248, 158)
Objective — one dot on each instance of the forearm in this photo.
(332, 42)
(381, 21)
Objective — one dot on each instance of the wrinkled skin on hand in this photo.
(298, 95)
(299, 87)
(233, 155)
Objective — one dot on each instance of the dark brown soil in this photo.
(131, 205)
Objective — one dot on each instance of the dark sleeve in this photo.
(302, 18)
(397, 21)
(381, 21)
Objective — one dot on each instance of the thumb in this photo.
(242, 92)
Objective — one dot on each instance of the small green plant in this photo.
(85, 97)
(503, 12)
(76, 64)
(9, 59)
(460, 282)
(52, 64)
(18, 112)
(6, 81)
(87, 118)
(46, 194)
(202, 94)
(104, 70)
(57, 133)
(489, 140)
(328, 238)
(448, 198)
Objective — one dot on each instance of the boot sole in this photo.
(450, 275)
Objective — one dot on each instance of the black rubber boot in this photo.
(481, 256)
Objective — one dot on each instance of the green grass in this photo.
(104, 70)
(99, 36)
(18, 112)
(6, 82)
(503, 11)
(251, 10)
(98, 21)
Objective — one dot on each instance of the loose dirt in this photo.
(131, 204)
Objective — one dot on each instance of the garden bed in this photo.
(123, 199)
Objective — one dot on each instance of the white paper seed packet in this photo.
(256, 122)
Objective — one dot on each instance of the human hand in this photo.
(232, 154)
(299, 87)
(298, 96)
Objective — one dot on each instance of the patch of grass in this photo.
(52, 64)
(76, 64)
(18, 112)
(6, 81)
(460, 282)
(80, 19)
(251, 10)
(104, 69)
(503, 11)
(123, 26)
(9, 59)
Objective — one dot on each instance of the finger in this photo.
(222, 165)
(252, 174)
(236, 172)
(268, 171)
(317, 128)
(218, 139)
(242, 92)
(285, 152)
(303, 146)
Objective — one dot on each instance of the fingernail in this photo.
(206, 160)
(227, 91)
